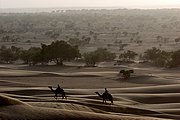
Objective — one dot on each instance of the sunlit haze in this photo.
(90, 3)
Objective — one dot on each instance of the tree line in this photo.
(60, 51)
(57, 52)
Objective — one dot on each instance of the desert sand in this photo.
(150, 94)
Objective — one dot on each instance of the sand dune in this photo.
(174, 88)
(15, 109)
(143, 97)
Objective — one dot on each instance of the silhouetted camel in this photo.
(106, 96)
(58, 91)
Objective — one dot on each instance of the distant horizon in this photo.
(50, 9)
(129, 4)
(99, 7)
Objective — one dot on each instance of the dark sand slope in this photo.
(15, 109)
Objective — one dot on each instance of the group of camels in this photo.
(105, 96)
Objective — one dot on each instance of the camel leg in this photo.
(62, 96)
(111, 102)
(104, 100)
(55, 96)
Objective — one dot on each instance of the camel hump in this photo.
(107, 95)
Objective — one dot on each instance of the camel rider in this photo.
(58, 88)
(106, 91)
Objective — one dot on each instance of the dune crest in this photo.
(6, 101)
(15, 109)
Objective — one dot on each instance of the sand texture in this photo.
(150, 94)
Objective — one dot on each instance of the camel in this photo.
(105, 96)
(58, 91)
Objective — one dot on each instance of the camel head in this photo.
(122, 71)
(126, 71)
(51, 88)
(96, 92)
(131, 71)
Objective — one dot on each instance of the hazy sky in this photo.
(89, 3)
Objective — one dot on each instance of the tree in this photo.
(99, 55)
(128, 55)
(125, 33)
(104, 55)
(163, 60)
(8, 55)
(159, 38)
(74, 41)
(121, 46)
(175, 59)
(152, 54)
(5, 38)
(35, 55)
(60, 51)
(90, 58)
(77, 34)
(95, 36)
(57, 51)
(158, 57)
(32, 56)
(45, 54)
(24, 56)
(177, 40)
(52, 34)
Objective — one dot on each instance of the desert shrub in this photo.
(126, 73)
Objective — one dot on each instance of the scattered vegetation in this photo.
(118, 30)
